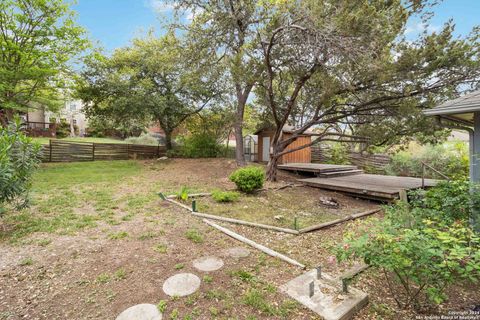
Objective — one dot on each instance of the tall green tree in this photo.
(332, 65)
(155, 79)
(37, 40)
(229, 28)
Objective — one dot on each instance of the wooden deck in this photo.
(315, 167)
(373, 186)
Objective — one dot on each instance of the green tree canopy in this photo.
(37, 40)
(345, 69)
(155, 79)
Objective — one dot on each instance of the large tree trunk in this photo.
(242, 97)
(238, 127)
(272, 168)
(277, 147)
(168, 139)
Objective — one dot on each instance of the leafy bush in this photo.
(225, 196)
(200, 146)
(144, 139)
(450, 158)
(248, 179)
(63, 129)
(337, 154)
(422, 260)
(449, 201)
(19, 157)
(421, 247)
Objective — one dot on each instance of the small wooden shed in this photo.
(265, 137)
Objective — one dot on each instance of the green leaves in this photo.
(39, 39)
(19, 157)
(420, 247)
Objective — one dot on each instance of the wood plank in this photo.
(316, 167)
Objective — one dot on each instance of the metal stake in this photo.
(345, 285)
(194, 205)
(312, 289)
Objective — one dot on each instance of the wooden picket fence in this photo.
(66, 151)
(373, 163)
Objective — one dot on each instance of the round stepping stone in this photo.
(237, 252)
(142, 311)
(181, 284)
(208, 264)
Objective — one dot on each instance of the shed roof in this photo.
(459, 109)
(286, 129)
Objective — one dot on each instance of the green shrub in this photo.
(144, 139)
(63, 129)
(200, 146)
(449, 201)
(421, 247)
(225, 196)
(450, 158)
(19, 157)
(248, 179)
(337, 154)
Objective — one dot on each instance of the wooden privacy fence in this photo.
(65, 151)
(369, 162)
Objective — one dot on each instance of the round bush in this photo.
(248, 179)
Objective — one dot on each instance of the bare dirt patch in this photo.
(90, 248)
(281, 207)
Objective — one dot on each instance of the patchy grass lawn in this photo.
(281, 207)
(97, 240)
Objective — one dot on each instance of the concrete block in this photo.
(327, 300)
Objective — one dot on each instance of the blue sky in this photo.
(113, 23)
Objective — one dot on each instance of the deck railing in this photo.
(425, 166)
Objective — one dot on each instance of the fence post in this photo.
(50, 145)
(93, 151)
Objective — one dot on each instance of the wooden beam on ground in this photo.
(349, 274)
(335, 222)
(260, 247)
(235, 221)
(193, 195)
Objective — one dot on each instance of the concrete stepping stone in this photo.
(237, 252)
(142, 311)
(182, 284)
(207, 264)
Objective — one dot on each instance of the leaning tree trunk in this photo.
(272, 168)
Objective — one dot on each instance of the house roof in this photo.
(459, 109)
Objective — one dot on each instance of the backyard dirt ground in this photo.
(97, 239)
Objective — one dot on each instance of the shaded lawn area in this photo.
(281, 207)
(44, 140)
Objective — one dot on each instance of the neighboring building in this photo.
(263, 148)
(72, 112)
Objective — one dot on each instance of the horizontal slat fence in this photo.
(374, 163)
(64, 151)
